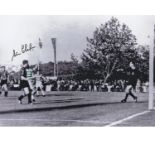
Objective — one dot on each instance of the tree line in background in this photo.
(109, 52)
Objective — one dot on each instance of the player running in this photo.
(27, 83)
(4, 80)
(131, 83)
(39, 84)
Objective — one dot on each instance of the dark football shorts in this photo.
(3, 82)
(24, 84)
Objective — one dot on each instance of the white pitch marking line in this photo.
(47, 120)
(126, 119)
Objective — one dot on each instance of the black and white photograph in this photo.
(77, 70)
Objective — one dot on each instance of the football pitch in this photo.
(76, 109)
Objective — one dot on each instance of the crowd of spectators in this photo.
(83, 85)
(91, 85)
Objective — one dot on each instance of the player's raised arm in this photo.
(35, 68)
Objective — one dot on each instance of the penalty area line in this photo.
(126, 119)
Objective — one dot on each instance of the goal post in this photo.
(151, 71)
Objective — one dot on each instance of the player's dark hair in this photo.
(25, 62)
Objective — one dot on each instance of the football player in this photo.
(4, 80)
(131, 82)
(26, 82)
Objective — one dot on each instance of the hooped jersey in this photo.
(27, 72)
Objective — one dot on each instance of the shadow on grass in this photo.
(63, 107)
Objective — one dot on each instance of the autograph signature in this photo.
(24, 48)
